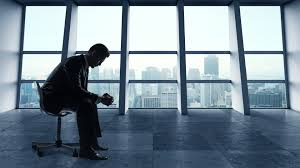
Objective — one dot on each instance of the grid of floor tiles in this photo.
(161, 138)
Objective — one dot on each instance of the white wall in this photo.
(292, 29)
(10, 31)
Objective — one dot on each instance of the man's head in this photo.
(97, 54)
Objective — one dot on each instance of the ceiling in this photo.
(153, 2)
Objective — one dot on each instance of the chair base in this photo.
(38, 146)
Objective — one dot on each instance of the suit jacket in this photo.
(67, 81)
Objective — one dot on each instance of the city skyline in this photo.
(200, 95)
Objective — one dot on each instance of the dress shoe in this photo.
(98, 147)
(91, 154)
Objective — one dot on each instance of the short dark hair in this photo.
(100, 48)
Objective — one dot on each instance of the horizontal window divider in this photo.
(207, 52)
(152, 52)
(154, 108)
(85, 52)
(266, 81)
(267, 108)
(44, 3)
(103, 81)
(32, 81)
(262, 3)
(192, 108)
(263, 52)
(99, 3)
(152, 81)
(90, 81)
(39, 108)
(208, 81)
(42, 52)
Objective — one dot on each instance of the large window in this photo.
(264, 56)
(102, 24)
(206, 28)
(152, 95)
(99, 24)
(152, 67)
(152, 29)
(43, 39)
(207, 71)
(152, 53)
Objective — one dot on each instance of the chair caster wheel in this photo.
(75, 153)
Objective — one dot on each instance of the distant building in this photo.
(211, 65)
(150, 102)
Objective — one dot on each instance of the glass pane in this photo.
(264, 66)
(152, 67)
(29, 96)
(39, 66)
(101, 24)
(267, 95)
(110, 88)
(209, 95)
(207, 67)
(154, 95)
(108, 70)
(44, 28)
(206, 28)
(261, 28)
(153, 28)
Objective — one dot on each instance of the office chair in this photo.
(38, 146)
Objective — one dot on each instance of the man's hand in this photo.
(106, 99)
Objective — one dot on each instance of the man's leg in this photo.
(85, 123)
(97, 130)
(86, 128)
(97, 127)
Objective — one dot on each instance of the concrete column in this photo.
(70, 32)
(123, 103)
(181, 74)
(240, 100)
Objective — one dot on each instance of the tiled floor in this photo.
(161, 138)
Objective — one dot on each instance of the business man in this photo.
(66, 86)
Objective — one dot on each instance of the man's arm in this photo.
(72, 69)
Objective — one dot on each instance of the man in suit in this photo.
(66, 86)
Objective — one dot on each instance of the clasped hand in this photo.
(105, 99)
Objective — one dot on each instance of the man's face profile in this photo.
(97, 59)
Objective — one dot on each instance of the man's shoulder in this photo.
(74, 59)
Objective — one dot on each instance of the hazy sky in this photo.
(155, 28)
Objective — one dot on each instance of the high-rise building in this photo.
(151, 102)
(265, 99)
(168, 97)
(211, 65)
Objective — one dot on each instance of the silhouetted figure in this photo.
(66, 87)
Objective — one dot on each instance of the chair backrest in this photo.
(41, 101)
